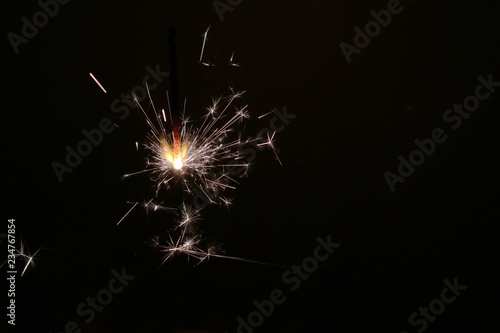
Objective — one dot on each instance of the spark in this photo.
(270, 143)
(28, 263)
(128, 212)
(23, 253)
(98, 83)
(265, 114)
(189, 216)
(232, 63)
(227, 202)
(163, 114)
(204, 41)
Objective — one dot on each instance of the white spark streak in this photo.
(204, 41)
(98, 83)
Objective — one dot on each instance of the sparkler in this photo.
(203, 158)
(202, 155)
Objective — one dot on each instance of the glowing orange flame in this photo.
(176, 152)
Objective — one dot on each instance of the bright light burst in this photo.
(203, 156)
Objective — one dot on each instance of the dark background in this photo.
(353, 120)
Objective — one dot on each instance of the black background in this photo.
(353, 120)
